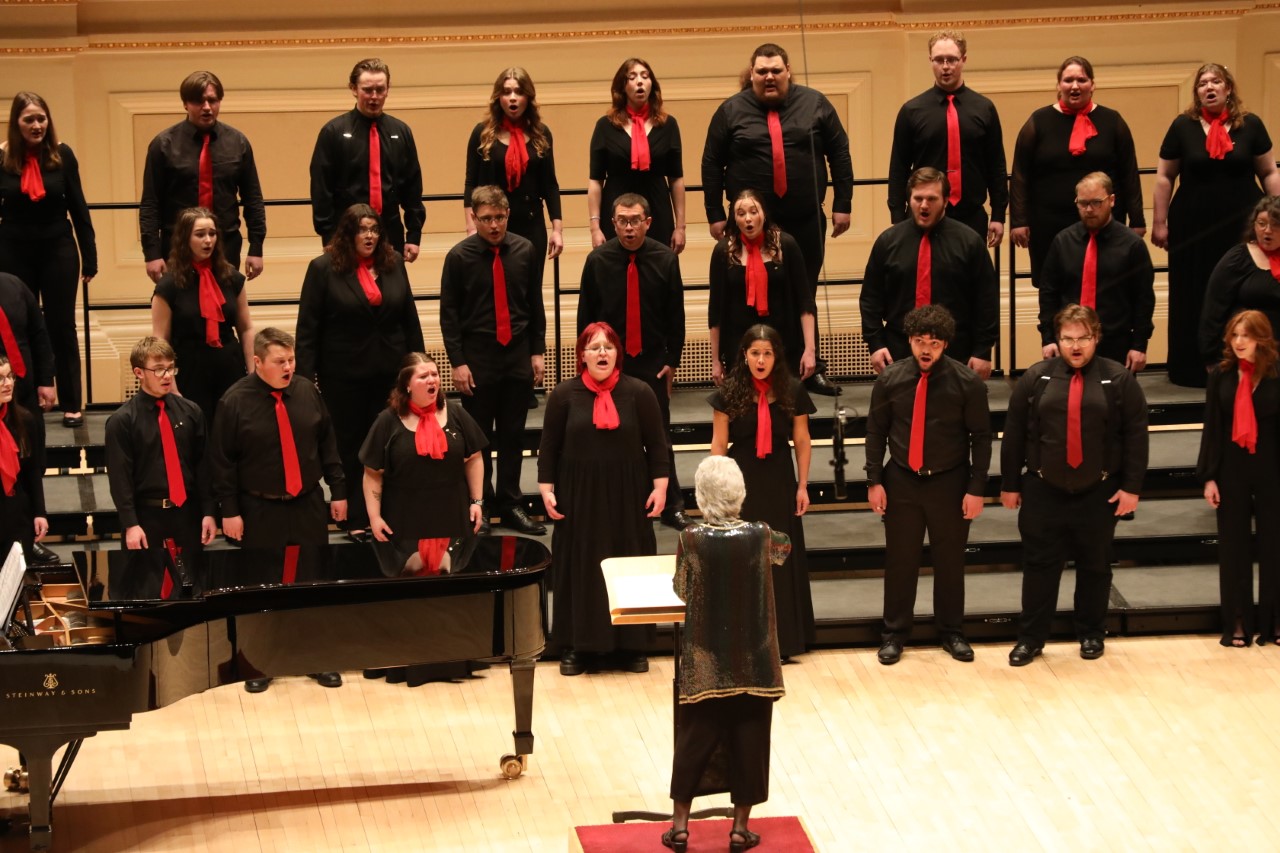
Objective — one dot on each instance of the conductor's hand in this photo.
(876, 497)
(1011, 500)
(462, 380)
(233, 527)
(338, 510)
(1126, 502)
(135, 538)
(971, 507)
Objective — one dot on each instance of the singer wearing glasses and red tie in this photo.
(1072, 459)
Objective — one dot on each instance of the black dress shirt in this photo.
(603, 297)
(920, 139)
(244, 445)
(24, 220)
(171, 183)
(25, 318)
(1113, 428)
(739, 155)
(964, 282)
(135, 455)
(1126, 297)
(467, 319)
(957, 422)
(538, 185)
(340, 176)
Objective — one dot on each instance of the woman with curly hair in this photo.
(356, 322)
(759, 408)
(758, 276)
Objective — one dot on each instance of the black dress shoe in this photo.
(1023, 654)
(572, 664)
(676, 520)
(958, 647)
(72, 421)
(633, 662)
(517, 519)
(327, 679)
(257, 685)
(818, 383)
(373, 674)
(1091, 648)
(890, 652)
(42, 556)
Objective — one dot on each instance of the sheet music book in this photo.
(640, 590)
(15, 567)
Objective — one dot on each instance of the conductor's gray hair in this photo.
(719, 489)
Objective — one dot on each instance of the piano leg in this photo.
(39, 751)
(522, 671)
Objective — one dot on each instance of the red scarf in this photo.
(428, 438)
(764, 420)
(1274, 258)
(757, 275)
(364, 274)
(1218, 142)
(211, 302)
(1083, 130)
(517, 154)
(32, 182)
(431, 552)
(1244, 422)
(9, 465)
(605, 413)
(639, 139)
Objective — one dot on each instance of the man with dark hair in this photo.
(494, 327)
(957, 131)
(155, 453)
(633, 283)
(1101, 264)
(368, 157)
(271, 443)
(930, 259)
(1077, 426)
(779, 138)
(931, 413)
(201, 162)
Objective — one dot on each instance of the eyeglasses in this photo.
(1264, 224)
(1071, 342)
(7, 378)
(1091, 203)
(929, 345)
(630, 221)
(946, 60)
(492, 220)
(161, 372)
(600, 349)
(369, 229)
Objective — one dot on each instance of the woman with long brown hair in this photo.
(1240, 467)
(41, 205)
(22, 512)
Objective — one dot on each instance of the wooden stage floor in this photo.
(1166, 743)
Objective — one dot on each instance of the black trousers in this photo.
(675, 497)
(500, 408)
(916, 504)
(810, 231)
(274, 524)
(51, 268)
(741, 725)
(1055, 526)
(1249, 491)
(353, 406)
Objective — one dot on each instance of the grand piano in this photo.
(120, 633)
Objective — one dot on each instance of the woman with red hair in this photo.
(602, 472)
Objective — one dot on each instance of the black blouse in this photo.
(611, 165)
(1237, 283)
(539, 184)
(22, 219)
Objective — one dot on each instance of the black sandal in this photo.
(749, 840)
(669, 839)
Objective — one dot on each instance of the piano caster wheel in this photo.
(512, 765)
(15, 780)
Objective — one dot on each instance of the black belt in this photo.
(926, 473)
(157, 503)
(279, 498)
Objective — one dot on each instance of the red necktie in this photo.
(639, 139)
(1244, 421)
(288, 450)
(205, 192)
(1075, 395)
(290, 572)
(915, 453)
(924, 272)
(375, 168)
(1218, 142)
(635, 341)
(172, 465)
(211, 302)
(364, 275)
(32, 181)
(1082, 131)
(175, 556)
(1089, 278)
(953, 150)
(9, 464)
(501, 311)
(11, 348)
(779, 157)
(764, 418)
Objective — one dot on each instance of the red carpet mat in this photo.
(777, 835)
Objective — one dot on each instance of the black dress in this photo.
(205, 372)
(789, 297)
(602, 478)
(1236, 283)
(1249, 489)
(1042, 189)
(771, 498)
(611, 166)
(1207, 215)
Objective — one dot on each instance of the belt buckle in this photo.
(165, 503)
